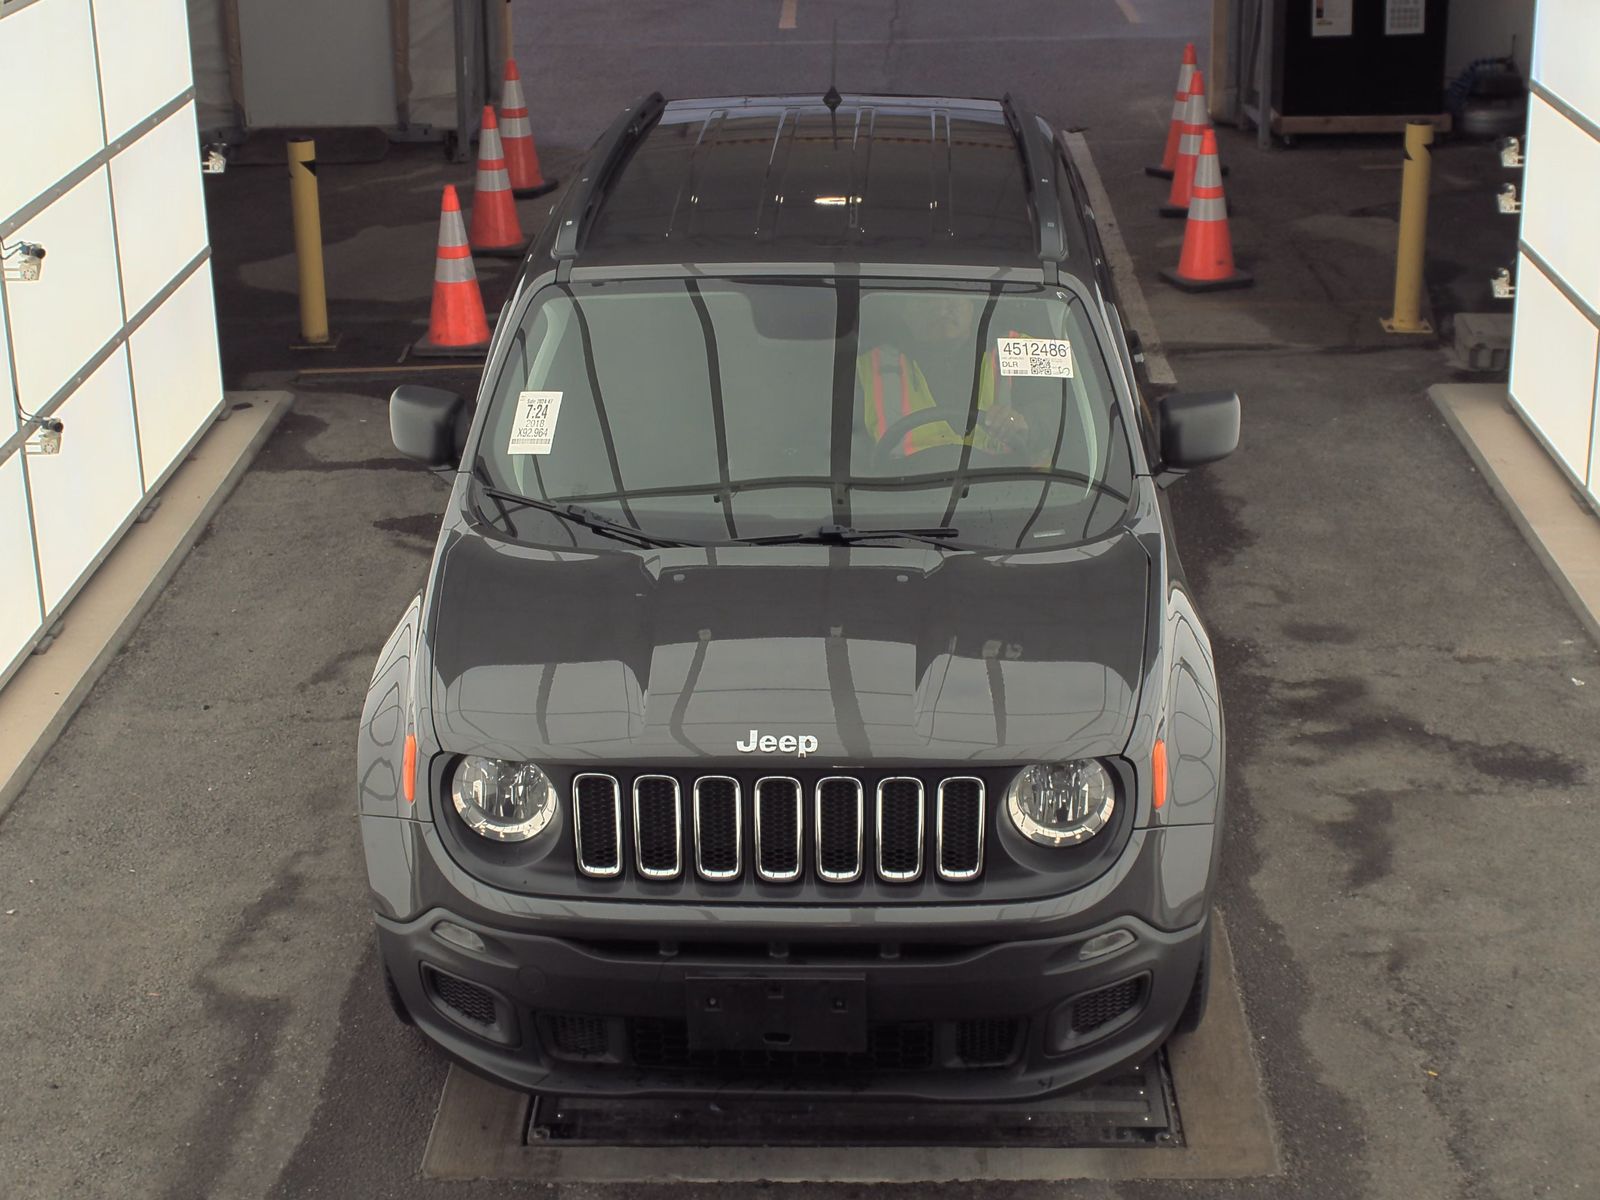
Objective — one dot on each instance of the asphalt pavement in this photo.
(191, 1007)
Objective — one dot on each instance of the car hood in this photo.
(882, 654)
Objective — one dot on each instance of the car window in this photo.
(718, 410)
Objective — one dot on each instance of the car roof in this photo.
(851, 178)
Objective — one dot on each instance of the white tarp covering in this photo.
(309, 63)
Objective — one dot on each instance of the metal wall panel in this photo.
(49, 98)
(59, 321)
(82, 495)
(144, 57)
(1566, 38)
(161, 214)
(8, 392)
(1553, 353)
(176, 375)
(1558, 215)
(20, 612)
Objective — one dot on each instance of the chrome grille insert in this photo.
(658, 826)
(718, 828)
(779, 817)
(899, 829)
(958, 827)
(840, 822)
(597, 825)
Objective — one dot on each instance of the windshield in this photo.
(717, 410)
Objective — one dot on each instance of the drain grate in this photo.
(1135, 1108)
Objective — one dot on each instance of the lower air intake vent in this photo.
(576, 1035)
(1099, 1008)
(891, 1046)
(987, 1043)
(467, 1000)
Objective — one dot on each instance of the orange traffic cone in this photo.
(1196, 120)
(1206, 264)
(1180, 102)
(457, 326)
(516, 133)
(495, 229)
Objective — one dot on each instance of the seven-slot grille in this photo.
(851, 824)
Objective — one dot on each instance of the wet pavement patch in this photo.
(1124, 1128)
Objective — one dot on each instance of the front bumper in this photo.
(998, 1022)
(968, 1001)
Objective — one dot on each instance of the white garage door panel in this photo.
(1557, 221)
(176, 375)
(82, 495)
(1553, 366)
(1566, 35)
(144, 57)
(49, 93)
(60, 320)
(19, 598)
(161, 217)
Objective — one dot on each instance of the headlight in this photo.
(1061, 804)
(503, 801)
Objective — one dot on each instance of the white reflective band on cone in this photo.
(496, 180)
(516, 127)
(453, 270)
(452, 230)
(1207, 172)
(1189, 144)
(1208, 208)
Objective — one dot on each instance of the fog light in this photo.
(449, 931)
(1105, 943)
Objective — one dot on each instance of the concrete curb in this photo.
(1562, 530)
(40, 700)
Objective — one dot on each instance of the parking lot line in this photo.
(1130, 12)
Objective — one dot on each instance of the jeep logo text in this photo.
(768, 743)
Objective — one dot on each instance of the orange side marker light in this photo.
(1158, 774)
(408, 769)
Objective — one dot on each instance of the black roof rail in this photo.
(1040, 164)
(590, 190)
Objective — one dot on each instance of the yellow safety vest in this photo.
(893, 386)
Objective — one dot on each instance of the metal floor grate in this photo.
(1137, 1108)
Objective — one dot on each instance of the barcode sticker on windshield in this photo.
(1048, 358)
(534, 427)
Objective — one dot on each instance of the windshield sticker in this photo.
(535, 425)
(1046, 358)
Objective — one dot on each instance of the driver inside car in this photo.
(932, 368)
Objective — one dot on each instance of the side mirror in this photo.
(1197, 428)
(428, 424)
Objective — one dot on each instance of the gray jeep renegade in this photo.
(804, 693)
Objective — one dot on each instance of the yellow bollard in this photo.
(308, 244)
(1413, 233)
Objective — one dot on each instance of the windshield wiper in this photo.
(589, 519)
(844, 535)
